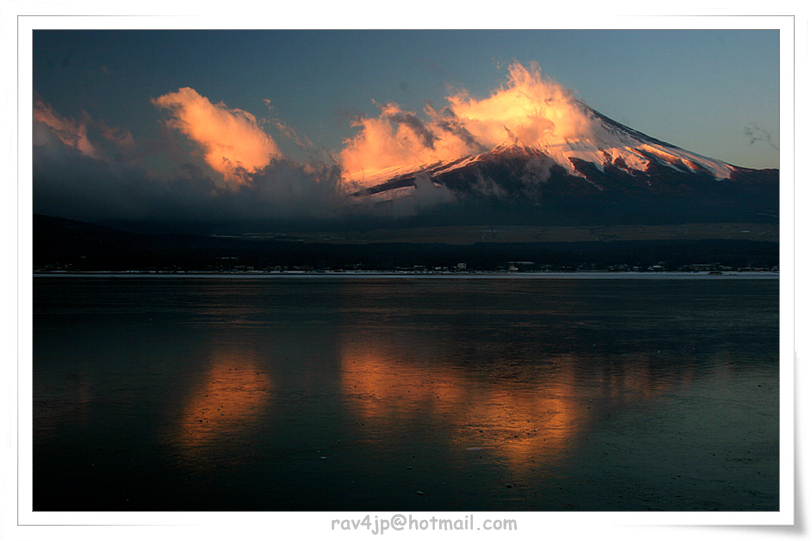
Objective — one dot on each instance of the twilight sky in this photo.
(134, 124)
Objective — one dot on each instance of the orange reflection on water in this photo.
(513, 421)
(522, 420)
(387, 388)
(234, 395)
(522, 424)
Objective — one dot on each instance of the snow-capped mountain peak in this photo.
(605, 144)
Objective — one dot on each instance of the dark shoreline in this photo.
(392, 274)
(65, 246)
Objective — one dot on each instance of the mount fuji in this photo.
(616, 197)
(616, 175)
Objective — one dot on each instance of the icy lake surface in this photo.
(283, 393)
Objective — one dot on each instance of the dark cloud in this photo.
(416, 125)
(70, 185)
(455, 128)
(756, 133)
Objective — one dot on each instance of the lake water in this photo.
(364, 393)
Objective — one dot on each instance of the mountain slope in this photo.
(614, 175)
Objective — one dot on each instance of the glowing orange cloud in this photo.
(526, 110)
(71, 132)
(395, 139)
(76, 133)
(232, 141)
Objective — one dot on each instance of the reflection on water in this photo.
(326, 394)
(226, 406)
(525, 420)
(518, 421)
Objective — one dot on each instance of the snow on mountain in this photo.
(636, 149)
(609, 143)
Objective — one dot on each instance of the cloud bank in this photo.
(526, 110)
(249, 177)
(87, 170)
